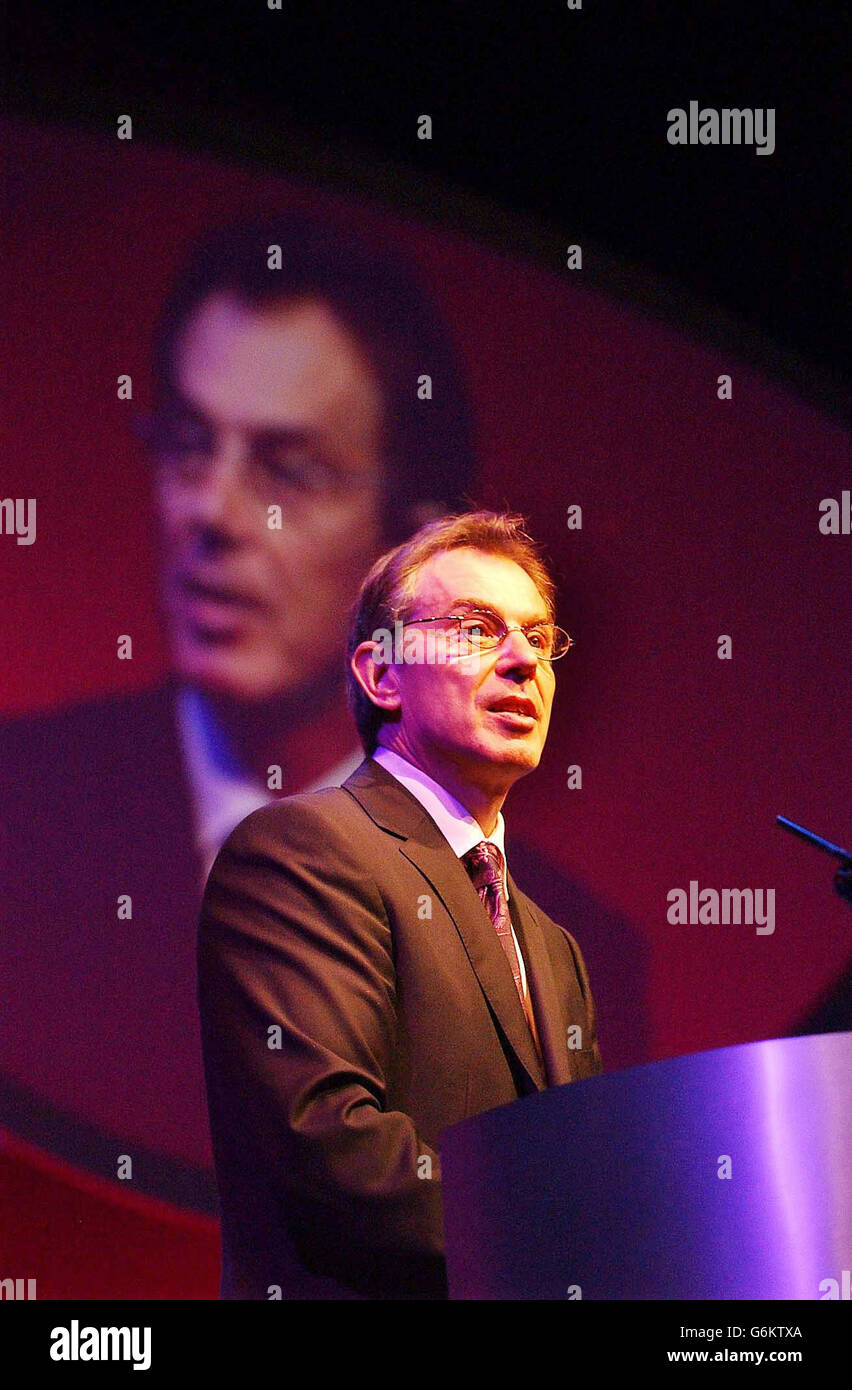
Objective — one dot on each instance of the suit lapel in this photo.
(447, 875)
(393, 807)
(547, 1008)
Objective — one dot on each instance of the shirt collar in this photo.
(223, 794)
(453, 820)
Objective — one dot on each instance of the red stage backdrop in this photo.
(700, 518)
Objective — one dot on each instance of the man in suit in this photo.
(270, 386)
(281, 382)
(369, 971)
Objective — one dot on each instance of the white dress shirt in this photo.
(223, 793)
(454, 822)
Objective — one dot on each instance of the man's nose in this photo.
(516, 653)
(223, 499)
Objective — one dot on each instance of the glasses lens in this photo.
(481, 631)
(561, 643)
(484, 630)
(294, 469)
(540, 639)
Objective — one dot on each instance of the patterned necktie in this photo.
(484, 864)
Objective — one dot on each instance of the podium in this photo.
(719, 1175)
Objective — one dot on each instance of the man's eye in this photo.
(479, 627)
(296, 468)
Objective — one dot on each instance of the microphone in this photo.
(843, 877)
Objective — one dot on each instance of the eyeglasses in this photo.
(279, 463)
(481, 630)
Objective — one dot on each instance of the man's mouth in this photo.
(516, 704)
(515, 710)
(203, 593)
(216, 612)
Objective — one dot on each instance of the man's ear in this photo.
(377, 677)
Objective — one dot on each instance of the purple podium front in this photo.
(719, 1175)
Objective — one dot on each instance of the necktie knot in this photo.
(484, 864)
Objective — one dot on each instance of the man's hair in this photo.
(428, 445)
(387, 592)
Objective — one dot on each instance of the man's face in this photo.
(447, 716)
(277, 407)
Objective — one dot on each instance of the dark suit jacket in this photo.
(98, 1013)
(99, 1041)
(344, 920)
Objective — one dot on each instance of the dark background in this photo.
(552, 112)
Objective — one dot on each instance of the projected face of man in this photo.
(277, 419)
